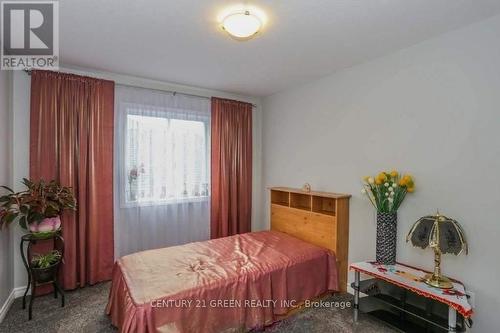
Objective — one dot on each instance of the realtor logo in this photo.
(30, 35)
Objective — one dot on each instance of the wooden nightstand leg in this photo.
(356, 295)
(452, 320)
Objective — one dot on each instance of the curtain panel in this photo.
(162, 169)
(71, 141)
(231, 162)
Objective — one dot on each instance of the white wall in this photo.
(433, 110)
(20, 161)
(5, 240)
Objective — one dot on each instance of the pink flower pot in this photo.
(47, 225)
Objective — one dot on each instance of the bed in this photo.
(230, 284)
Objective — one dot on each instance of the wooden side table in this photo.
(400, 297)
(25, 246)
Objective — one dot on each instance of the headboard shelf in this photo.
(323, 205)
(300, 201)
(280, 198)
(319, 218)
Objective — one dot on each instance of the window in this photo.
(161, 169)
(166, 156)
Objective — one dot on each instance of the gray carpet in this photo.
(84, 312)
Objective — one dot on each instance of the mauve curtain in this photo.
(71, 141)
(231, 167)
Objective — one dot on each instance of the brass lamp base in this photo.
(438, 281)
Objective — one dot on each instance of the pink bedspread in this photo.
(227, 284)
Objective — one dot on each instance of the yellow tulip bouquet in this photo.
(387, 190)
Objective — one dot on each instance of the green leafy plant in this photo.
(45, 260)
(39, 201)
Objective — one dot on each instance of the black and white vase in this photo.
(386, 238)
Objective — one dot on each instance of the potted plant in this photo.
(44, 266)
(38, 208)
(386, 192)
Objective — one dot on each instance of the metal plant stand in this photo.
(27, 241)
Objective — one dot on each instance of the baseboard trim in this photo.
(6, 305)
(19, 291)
(15, 293)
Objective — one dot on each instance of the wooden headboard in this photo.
(319, 218)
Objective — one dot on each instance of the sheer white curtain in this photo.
(162, 169)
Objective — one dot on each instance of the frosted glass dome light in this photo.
(242, 25)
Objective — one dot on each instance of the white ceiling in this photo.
(180, 41)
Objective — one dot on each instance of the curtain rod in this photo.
(173, 92)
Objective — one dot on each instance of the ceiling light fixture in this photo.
(242, 24)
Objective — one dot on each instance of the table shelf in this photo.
(404, 309)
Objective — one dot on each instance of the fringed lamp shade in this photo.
(451, 236)
(443, 235)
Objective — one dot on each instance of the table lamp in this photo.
(443, 235)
